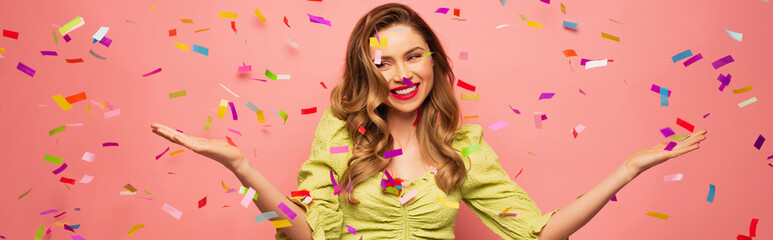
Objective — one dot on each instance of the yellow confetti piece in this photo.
(153, 7)
(221, 109)
(260, 16)
(533, 24)
(74, 23)
(2, 50)
(224, 186)
(61, 224)
(610, 37)
(508, 208)
(261, 119)
(201, 30)
(470, 96)
(281, 223)
(209, 123)
(447, 203)
(523, 17)
(186, 20)
(134, 229)
(181, 46)
(742, 90)
(227, 15)
(469, 117)
(129, 187)
(658, 215)
(175, 152)
(59, 99)
(747, 102)
(374, 42)
(615, 21)
(563, 8)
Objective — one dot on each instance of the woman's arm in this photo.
(575, 215)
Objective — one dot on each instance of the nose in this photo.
(401, 71)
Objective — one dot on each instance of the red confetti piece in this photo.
(76, 98)
(233, 26)
(456, 12)
(743, 237)
(465, 85)
(59, 214)
(753, 227)
(685, 124)
(285, 20)
(311, 110)
(323, 85)
(74, 60)
(203, 202)
(418, 115)
(230, 141)
(67, 180)
(570, 53)
(172, 32)
(300, 193)
(361, 129)
(10, 34)
(151, 73)
(519, 173)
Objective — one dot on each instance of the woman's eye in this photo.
(414, 57)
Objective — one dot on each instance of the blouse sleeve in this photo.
(324, 213)
(487, 190)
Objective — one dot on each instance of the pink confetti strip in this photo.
(442, 10)
(234, 131)
(248, 197)
(351, 230)
(23, 68)
(172, 211)
(673, 177)
(60, 169)
(508, 214)
(514, 110)
(693, 59)
(49, 53)
(722, 62)
(538, 119)
(48, 211)
(162, 154)
(316, 19)
(339, 149)
(77, 237)
(393, 153)
(336, 187)
(247, 68)
(287, 211)
(109, 144)
(233, 110)
(407, 197)
(670, 146)
(498, 125)
(112, 113)
(151, 73)
(546, 96)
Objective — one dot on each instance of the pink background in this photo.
(509, 66)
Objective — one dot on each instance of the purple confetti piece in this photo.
(771, 165)
(233, 110)
(336, 187)
(769, 157)
(667, 132)
(514, 110)
(544, 117)
(77, 237)
(59, 214)
(656, 89)
(352, 230)
(67, 37)
(48, 211)
(707, 114)
(321, 20)
(230, 191)
(442, 10)
(151, 73)
(339, 149)
(724, 80)
(349, 187)
(23, 68)
(106, 41)
(290, 214)
(109, 144)
(693, 59)
(68, 228)
(614, 198)
(393, 153)
(583, 61)
(49, 53)
(498, 125)
(407, 81)
(508, 214)
(545, 1)
(759, 142)
(60, 169)
(670, 146)
(262, 80)
(162, 154)
(383, 184)
(722, 62)
(389, 177)
(546, 96)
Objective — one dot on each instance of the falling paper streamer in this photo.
(667, 132)
(501, 26)
(407, 197)
(546, 96)
(663, 97)
(57, 130)
(463, 55)
(465, 85)
(382, 42)
(569, 53)
(597, 63)
(682, 55)
(320, 20)
(498, 125)
(135, 228)
(72, 25)
(742, 90)
(340, 149)
(570, 25)
(100, 34)
(735, 35)
(712, 191)
(393, 153)
(60, 169)
(693, 59)
(670, 146)
(287, 211)
(151, 73)
(199, 49)
(673, 177)
(538, 117)
(533, 24)
(722, 62)
(758, 143)
(292, 44)
(351, 230)
(265, 216)
(53, 159)
(610, 37)
(657, 215)
(470, 96)
(447, 203)
(577, 130)
(747, 102)
(377, 57)
(112, 113)
(62, 102)
(231, 15)
(260, 15)
(86, 178)
(172, 211)
(248, 197)
(281, 223)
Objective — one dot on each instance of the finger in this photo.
(167, 134)
(683, 150)
(193, 143)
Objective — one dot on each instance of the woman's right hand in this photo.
(221, 151)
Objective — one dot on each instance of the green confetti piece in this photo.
(25, 194)
(209, 123)
(532, 154)
(39, 235)
(523, 17)
(56, 130)
(427, 54)
(53, 159)
(472, 148)
(56, 39)
(177, 94)
(148, 192)
(270, 75)
(678, 136)
(243, 190)
(283, 114)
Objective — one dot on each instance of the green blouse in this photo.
(487, 190)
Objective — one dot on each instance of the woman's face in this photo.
(402, 58)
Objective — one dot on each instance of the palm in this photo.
(645, 158)
(216, 149)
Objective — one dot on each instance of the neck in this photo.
(400, 123)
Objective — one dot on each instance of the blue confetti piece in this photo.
(570, 25)
(681, 55)
(712, 190)
(202, 50)
(663, 97)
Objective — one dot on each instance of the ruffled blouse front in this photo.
(487, 190)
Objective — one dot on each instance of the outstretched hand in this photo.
(221, 151)
(646, 158)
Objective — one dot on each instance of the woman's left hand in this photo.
(646, 158)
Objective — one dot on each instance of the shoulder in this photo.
(467, 135)
(330, 128)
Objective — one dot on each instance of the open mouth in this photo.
(405, 92)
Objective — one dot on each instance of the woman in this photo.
(404, 100)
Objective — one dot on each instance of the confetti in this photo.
(747, 102)
(463, 55)
(722, 62)
(62, 102)
(572, 25)
(569, 53)
(176, 152)
(60, 169)
(270, 75)
(393, 153)
(753, 227)
(563, 8)
(471, 149)
(135, 228)
(734, 35)
(25, 193)
(130, 188)
(49, 53)
(377, 57)
(110, 144)
(285, 21)
(72, 25)
(201, 30)
(533, 24)
(673, 177)
(339, 149)
(260, 15)
(27, 70)
(151, 73)
(100, 34)
(10, 34)
(546, 96)
(538, 118)
(742, 90)
(177, 94)
(56, 130)
(758, 143)
(693, 59)
(361, 129)
(469, 96)
(682, 55)
(656, 89)
(112, 113)
(203, 202)
(447, 203)
(657, 215)
(281, 223)
(351, 230)
(663, 97)
(261, 119)
(305, 111)
(265, 216)
(231, 15)
(577, 130)
(382, 42)
(320, 20)
(442, 10)
(76, 97)
(667, 132)
(172, 211)
(670, 146)
(287, 211)
(201, 50)
(595, 64)
(498, 125)
(172, 32)
(39, 234)
(407, 197)
(712, 191)
(86, 178)
(248, 197)
(186, 20)
(67, 180)
(162, 154)
(610, 37)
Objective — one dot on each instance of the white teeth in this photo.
(406, 91)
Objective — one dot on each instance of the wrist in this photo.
(627, 173)
(239, 166)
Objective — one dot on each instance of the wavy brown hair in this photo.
(361, 98)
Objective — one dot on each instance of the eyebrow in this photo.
(406, 52)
